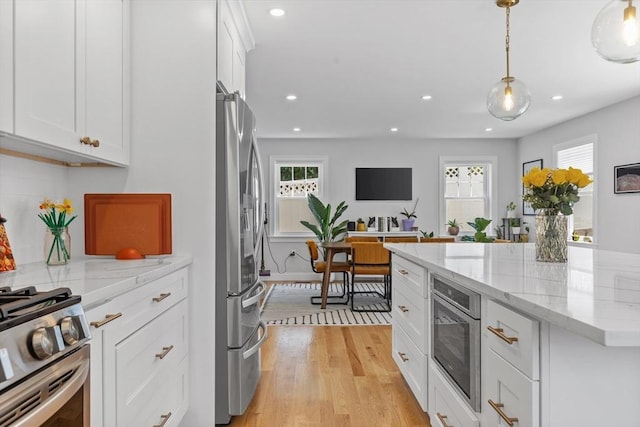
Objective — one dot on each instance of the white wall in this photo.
(617, 220)
(421, 155)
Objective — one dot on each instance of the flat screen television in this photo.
(383, 184)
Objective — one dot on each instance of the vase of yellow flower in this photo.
(552, 194)
(57, 241)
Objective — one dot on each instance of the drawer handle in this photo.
(403, 272)
(497, 407)
(403, 308)
(165, 418)
(87, 141)
(108, 318)
(164, 352)
(442, 419)
(500, 333)
(161, 297)
(403, 356)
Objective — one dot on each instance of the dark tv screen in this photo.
(383, 184)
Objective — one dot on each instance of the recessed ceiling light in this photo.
(276, 12)
(296, 129)
(556, 97)
(291, 97)
(394, 129)
(488, 129)
(426, 97)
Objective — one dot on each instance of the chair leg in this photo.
(317, 299)
(386, 296)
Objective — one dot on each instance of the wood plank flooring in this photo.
(331, 376)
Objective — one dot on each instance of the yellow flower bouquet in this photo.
(554, 189)
(56, 217)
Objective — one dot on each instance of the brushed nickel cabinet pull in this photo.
(164, 352)
(498, 408)
(165, 418)
(161, 297)
(500, 333)
(403, 308)
(403, 356)
(108, 318)
(442, 419)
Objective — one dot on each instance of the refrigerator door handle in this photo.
(256, 298)
(250, 352)
(261, 201)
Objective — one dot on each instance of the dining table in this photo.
(331, 248)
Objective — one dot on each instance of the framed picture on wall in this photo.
(526, 167)
(627, 178)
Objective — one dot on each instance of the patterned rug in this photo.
(289, 304)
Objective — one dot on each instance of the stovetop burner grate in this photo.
(21, 305)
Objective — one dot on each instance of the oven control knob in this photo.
(46, 342)
(70, 333)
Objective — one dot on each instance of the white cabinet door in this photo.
(445, 407)
(71, 75)
(231, 52)
(510, 395)
(6, 66)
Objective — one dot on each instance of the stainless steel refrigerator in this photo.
(239, 224)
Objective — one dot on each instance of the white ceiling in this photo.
(360, 67)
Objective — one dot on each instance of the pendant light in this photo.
(616, 32)
(509, 98)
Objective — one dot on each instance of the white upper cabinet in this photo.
(234, 41)
(71, 76)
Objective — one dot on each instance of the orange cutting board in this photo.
(116, 221)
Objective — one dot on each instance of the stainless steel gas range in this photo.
(44, 359)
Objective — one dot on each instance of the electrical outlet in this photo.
(292, 253)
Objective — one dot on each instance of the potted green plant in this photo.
(514, 223)
(327, 228)
(360, 225)
(511, 210)
(479, 224)
(407, 223)
(453, 227)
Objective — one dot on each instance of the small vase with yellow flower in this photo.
(57, 242)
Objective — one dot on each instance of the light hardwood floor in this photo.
(331, 376)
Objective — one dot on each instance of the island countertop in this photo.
(595, 294)
(95, 279)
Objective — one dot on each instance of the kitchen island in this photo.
(578, 353)
(138, 316)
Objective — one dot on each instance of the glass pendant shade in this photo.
(616, 32)
(508, 99)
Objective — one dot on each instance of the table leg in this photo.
(326, 276)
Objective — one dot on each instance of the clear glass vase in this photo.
(551, 236)
(57, 246)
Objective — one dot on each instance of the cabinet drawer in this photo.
(150, 353)
(446, 408)
(512, 394)
(408, 274)
(523, 353)
(409, 313)
(412, 364)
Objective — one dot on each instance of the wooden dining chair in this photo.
(371, 258)
(437, 240)
(407, 239)
(336, 267)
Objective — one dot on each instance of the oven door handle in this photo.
(41, 413)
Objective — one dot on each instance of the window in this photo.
(466, 188)
(292, 182)
(579, 154)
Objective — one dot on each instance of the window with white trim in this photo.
(465, 191)
(292, 182)
(579, 154)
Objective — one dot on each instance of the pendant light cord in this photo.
(506, 42)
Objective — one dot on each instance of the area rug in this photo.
(289, 304)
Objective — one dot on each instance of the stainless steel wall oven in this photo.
(44, 359)
(455, 344)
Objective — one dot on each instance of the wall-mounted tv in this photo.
(383, 184)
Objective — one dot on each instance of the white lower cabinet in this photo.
(446, 408)
(139, 355)
(412, 364)
(510, 396)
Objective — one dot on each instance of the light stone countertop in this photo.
(95, 279)
(596, 294)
